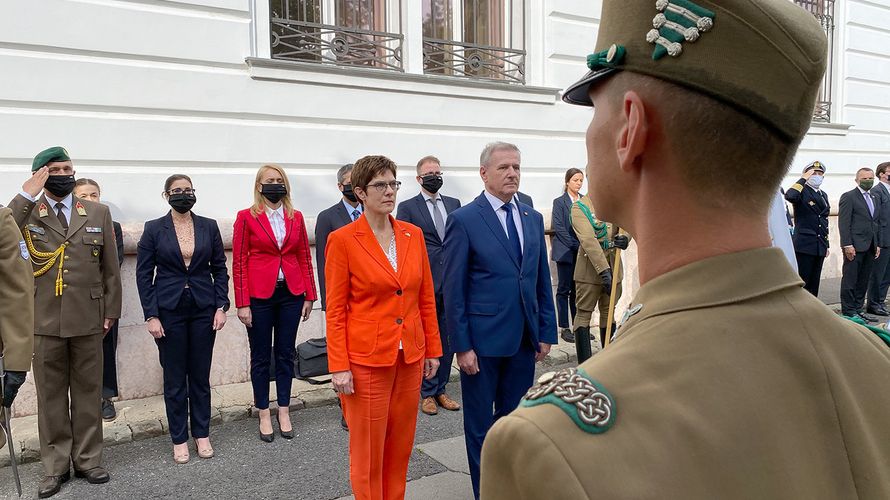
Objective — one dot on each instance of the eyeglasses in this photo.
(182, 191)
(381, 186)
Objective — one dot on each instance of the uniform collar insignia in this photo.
(581, 397)
(80, 210)
(676, 22)
(42, 210)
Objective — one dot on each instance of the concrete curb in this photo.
(146, 418)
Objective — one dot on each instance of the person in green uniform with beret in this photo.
(16, 314)
(76, 301)
(726, 379)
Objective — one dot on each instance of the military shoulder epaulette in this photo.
(581, 397)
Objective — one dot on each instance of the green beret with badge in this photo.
(50, 155)
(719, 49)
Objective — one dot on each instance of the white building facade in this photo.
(137, 90)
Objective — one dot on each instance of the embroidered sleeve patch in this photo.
(23, 249)
(581, 397)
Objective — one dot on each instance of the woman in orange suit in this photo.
(383, 336)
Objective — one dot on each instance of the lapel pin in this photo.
(526, 213)
(42, 210)
(80, 210)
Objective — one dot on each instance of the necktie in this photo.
(355, 215)
(512, 233)
(61, 215)
(871, 204)
(438, 221)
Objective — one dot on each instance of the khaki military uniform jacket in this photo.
(592, 259)
(731, 382)
(91, 275)
(16, 297)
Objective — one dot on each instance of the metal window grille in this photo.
(358, 38)
(480, 51)
(824, 12)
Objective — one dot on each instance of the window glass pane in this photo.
(308, 11)
(484, 22)
(362, 14)
(437, 19)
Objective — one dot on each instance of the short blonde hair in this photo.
(259, 201)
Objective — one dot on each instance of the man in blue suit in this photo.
(498, 300)
(429, 210)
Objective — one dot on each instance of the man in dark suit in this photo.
(498, 300)
(880, 275)
(347, 210)
(333, 218)
(429, 211)
(859, 222)
(524, 198)
(811, 210)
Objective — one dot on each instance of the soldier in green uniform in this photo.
(16, 312)
(593, 272)
(77, 299)
(726, 379)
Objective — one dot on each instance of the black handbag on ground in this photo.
(312, 360)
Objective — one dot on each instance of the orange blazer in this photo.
(371, 307)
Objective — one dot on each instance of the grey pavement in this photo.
(314, 465)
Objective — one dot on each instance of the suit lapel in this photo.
(51, 219)
(199, 239)
(420, 202)
(491, 219)
(172, 240)
(288, 229)
(403, 244)
(526, 228)
(369, 243)
(76, 221)
(267, 228)
(345, 215)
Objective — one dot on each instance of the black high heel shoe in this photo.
(285, 434)
(268, 437)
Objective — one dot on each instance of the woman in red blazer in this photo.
(274, 289)
(383, 335)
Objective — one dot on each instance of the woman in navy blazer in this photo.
(274, 289)
(564, 250)
(183, 286)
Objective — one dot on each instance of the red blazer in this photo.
(370, 307)
(256, 258)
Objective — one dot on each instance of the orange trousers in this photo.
(382, 418)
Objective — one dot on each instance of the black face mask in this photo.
(59, 185)
(273, 192)
(182, 202)
(432, 183)
(347, 192)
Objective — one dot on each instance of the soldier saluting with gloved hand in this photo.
(77, 299)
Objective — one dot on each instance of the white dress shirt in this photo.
(496, 204)
(276, 220)
(440, 205)
(350, 209)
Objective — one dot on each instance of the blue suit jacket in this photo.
(564, 245)
(416, 211)
(161, 274)
(489, 299)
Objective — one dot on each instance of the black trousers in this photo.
(109, 363)
(880, 279)
(436, 386)
(854, 282)
(810, 269)
(186, 351)
(565, 293)
(275, 323)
